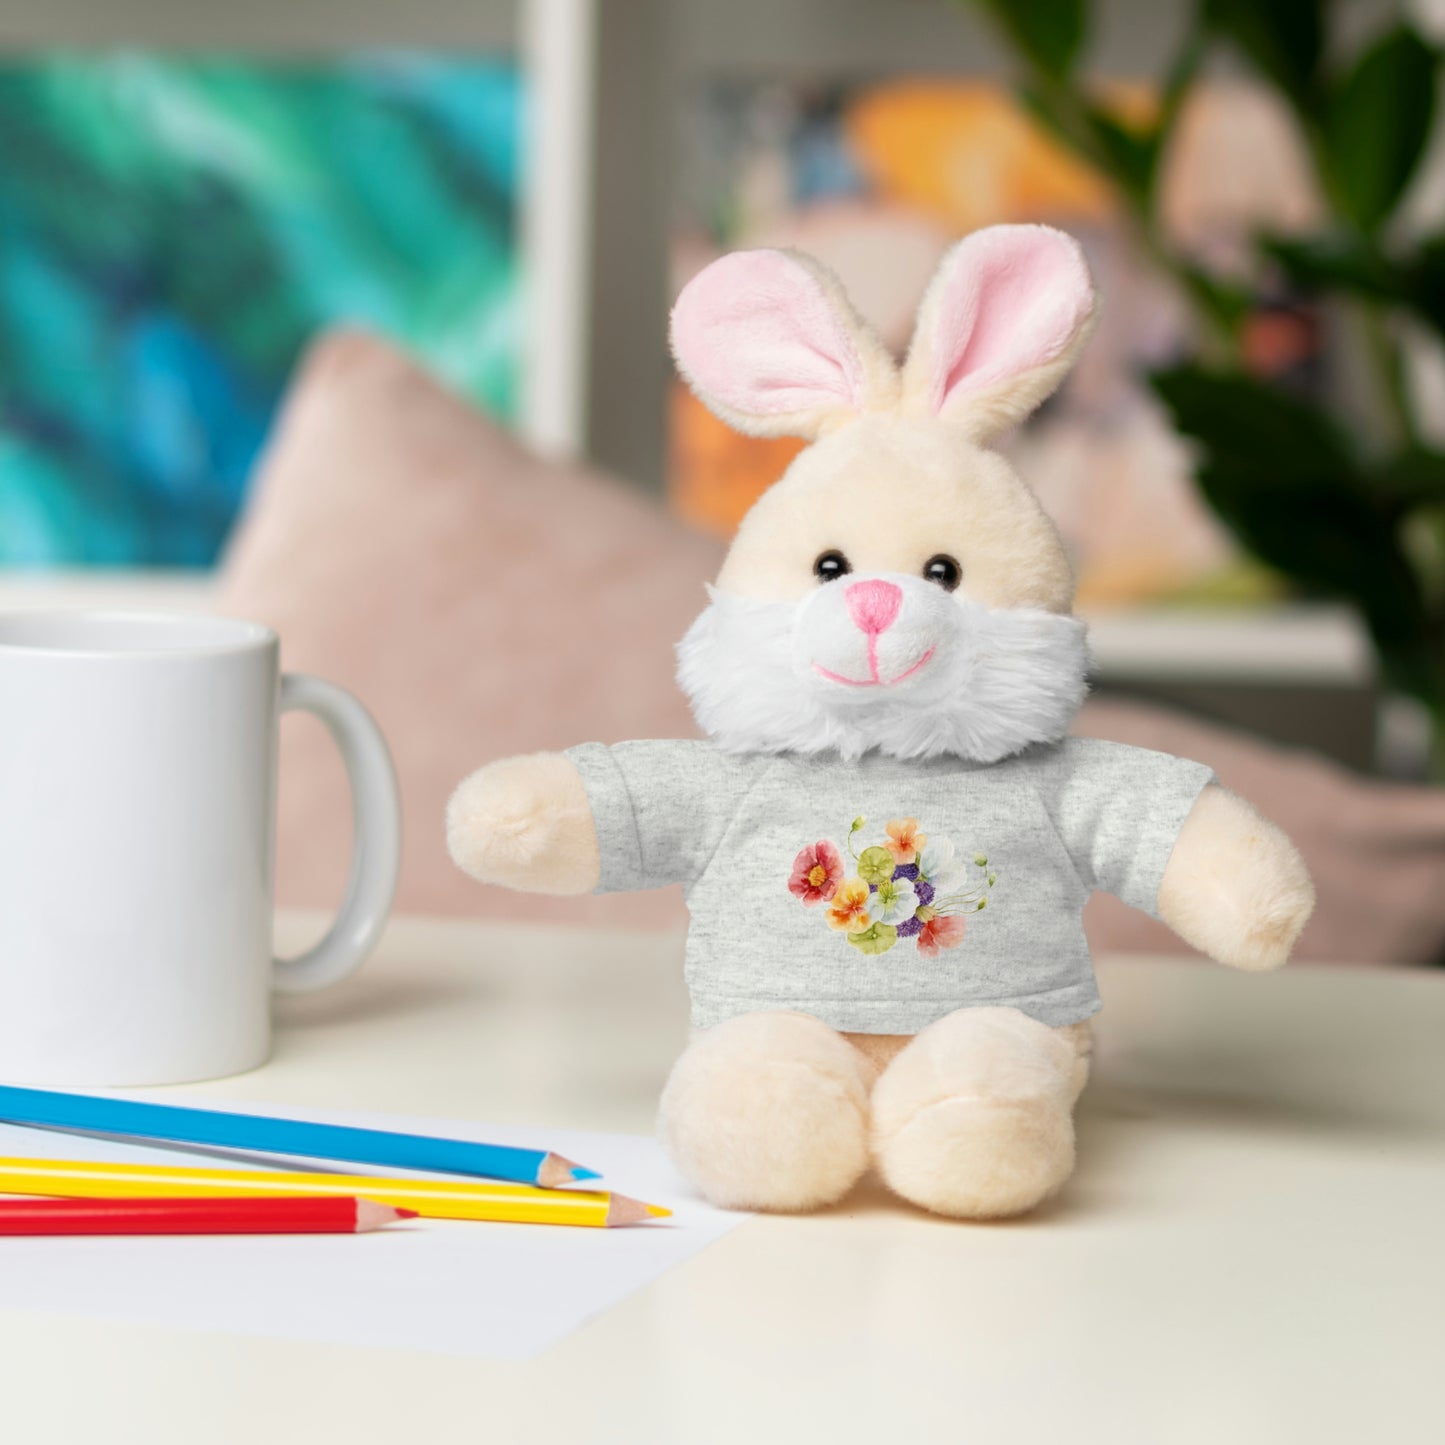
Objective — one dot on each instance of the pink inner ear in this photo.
(1014, 298)
(757, 332)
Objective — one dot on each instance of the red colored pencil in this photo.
(300, 1215)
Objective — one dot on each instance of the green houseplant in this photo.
(1350, 511)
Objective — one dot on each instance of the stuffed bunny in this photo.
(887, 838)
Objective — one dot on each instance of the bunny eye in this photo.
(831, 565)
(944, 570)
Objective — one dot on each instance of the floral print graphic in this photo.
(943, 930)
(849, 909)
(904, 839)
(893, 901)
(910, 885)
(817, 872)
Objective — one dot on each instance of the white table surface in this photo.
(1253, 1249)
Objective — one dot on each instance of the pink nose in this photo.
(873, 605)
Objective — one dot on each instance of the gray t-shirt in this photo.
(880, 895)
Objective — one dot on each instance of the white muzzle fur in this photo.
(888, 662)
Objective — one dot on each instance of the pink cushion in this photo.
(479, 601)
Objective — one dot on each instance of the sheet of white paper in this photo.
(490, 1291)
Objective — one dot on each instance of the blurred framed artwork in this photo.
(174, 230)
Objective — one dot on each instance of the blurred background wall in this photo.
(191, 193)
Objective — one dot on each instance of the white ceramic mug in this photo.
(137, 812)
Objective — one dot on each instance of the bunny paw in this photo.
(525, 823)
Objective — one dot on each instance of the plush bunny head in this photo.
(899, 588)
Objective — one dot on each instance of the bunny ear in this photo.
(1003, 320)
(770, 343)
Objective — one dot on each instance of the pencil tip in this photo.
(622, 1210)
(556, 1170)
(371, 1215)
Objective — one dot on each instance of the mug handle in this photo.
(376, 839)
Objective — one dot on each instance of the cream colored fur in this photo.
(525, 823)
(1236, 887)
(881, 1049)
(971, 1118)
(958, 499)
(769, 1111)
(975, 1117)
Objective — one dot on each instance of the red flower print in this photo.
(940, 930)
(817, 871)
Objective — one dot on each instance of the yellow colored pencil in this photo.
(430, 1198)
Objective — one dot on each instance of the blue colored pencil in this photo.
(257, 1134)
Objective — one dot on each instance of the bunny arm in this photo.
(525, 823)
(1235, 886)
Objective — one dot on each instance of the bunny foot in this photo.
(973, 1118)
(769, 1111)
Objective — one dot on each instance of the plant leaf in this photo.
(1426, 295)
(1375, 123)
(1284, 477)
(1179, 80)
(1412, 478)
(1338, 261)
(1284, 38)
(1253, 427)
(1048, 33)
(1129, 155)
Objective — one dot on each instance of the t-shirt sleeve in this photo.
(1119, 809)
(660, 808)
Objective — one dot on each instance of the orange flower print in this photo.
(940, 930)
(904, 840)
(848, 910)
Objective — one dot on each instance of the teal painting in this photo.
(173, 231)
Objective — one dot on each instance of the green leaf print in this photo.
(877, 939)
(875, 865)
